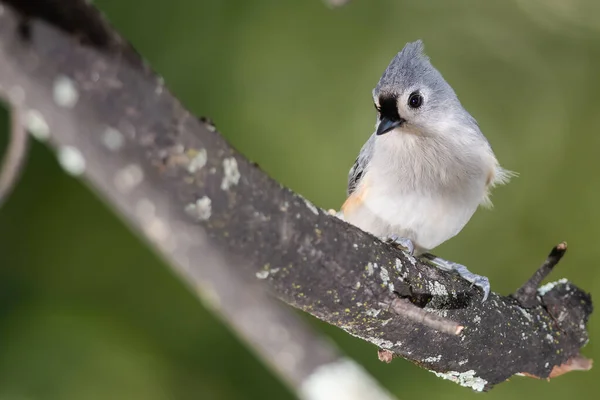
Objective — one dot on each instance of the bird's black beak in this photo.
(386, 125)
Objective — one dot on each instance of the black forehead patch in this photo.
(388, 108)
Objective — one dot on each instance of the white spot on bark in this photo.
(372, 312)
(71, 160)
(201, 209)
(264, 274)
(112, 139)
(463, 362)
(128, 178)
(370, 269)
(284, 207)
(477, 319)
(198, 161)
(311, 206)
(399, 265)
(467, 379)
(384, 275)
(542, 290)
(437, 289)
(433, 359)
(382, 343)
(160, 84)
(231, 174)
(36, 125)
(65, 92)
(158, 231)
(526, 314)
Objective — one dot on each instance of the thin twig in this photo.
(404, 308)
(526, 295)
(15, 155)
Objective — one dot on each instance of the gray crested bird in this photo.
(427, 167)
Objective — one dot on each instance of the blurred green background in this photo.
(88, 312)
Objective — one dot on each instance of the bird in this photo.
(426, 168)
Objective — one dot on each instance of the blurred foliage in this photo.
(88, 312)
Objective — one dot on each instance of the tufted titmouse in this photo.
(427, 167)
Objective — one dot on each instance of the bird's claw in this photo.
(403, 242)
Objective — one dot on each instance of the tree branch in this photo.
(527, 295)
(16, 153)
(180, 184)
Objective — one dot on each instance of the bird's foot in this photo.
(477, 280)
(403, 242)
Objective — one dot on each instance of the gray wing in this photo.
(362, 161)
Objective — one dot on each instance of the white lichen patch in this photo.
(310, 206)
(433, 359)
(384, 275)
(112, 139)
(198, 161)
(201, 209)
(372, 312)
(437, 289)
(542, 290)
(231, 174)
(128, 178)
(526, 314)
(466, 379)
(381, 343)
(71, 160)
(477, 319)
(370, 269)
(463, 362)
(36, 125)
(262, 274)
(399, 265)
(65, 92)
(549, 338)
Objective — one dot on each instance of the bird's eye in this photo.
(415, 100)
